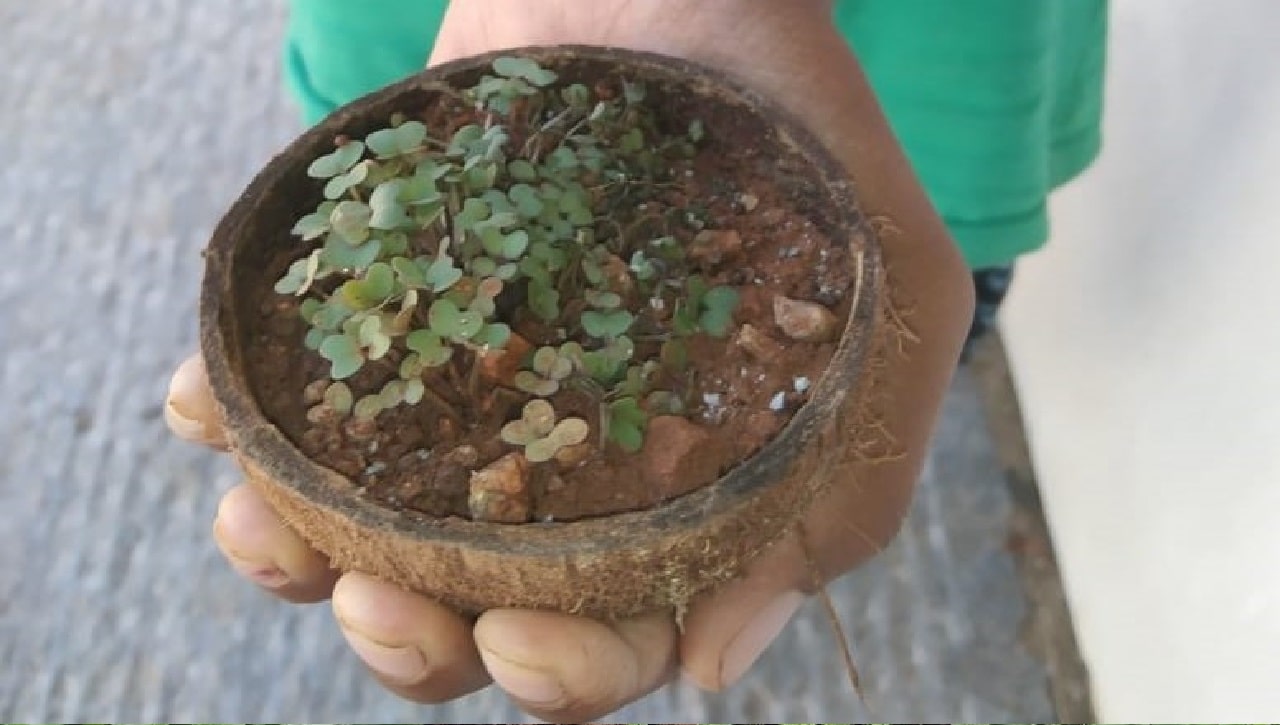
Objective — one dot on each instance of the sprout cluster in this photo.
(529, 215)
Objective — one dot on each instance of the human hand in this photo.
(571, 668)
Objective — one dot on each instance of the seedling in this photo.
(539, 433)
(424, 253)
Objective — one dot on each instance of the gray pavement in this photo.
(126, 127)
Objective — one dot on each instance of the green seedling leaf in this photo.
(339, 184)
(576, 95)
(375, 341)
(412, 276)
(642, 267)
(432, 351)
(390, 142)
(540, 416)
(544, 301)
(543, 359)
(527, 200)
(316, 223)
(483, 267)
(697, 131)
(605, 325)
(473, 212)
(338, 162)
(493, 336)
(626, 424)
(463, 139)
(683, 321)
(418, 190)
(507, 272)
(394, 244)
(350, 220)
(448, 321)
(543, 449)
(372, 290)
(717, 310)
(388, 211)
(602, 300)
(414, 391)
(515, 243)
(570, 432)
(528, 69)
(518, 433)
(482, 176)
(634, 93)
(433, 169)
(441, 274)
(302, 273)
(411, 366)
(308, 308)
(338, 397)
(523, 171)
(631, 141)
(343, 354)
(331, 315)
(313, 338)
(339, 254)
(535, 384)
(368, 407)
(392, 394)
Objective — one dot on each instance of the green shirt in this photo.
(997, 102)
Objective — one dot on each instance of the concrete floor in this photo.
(125, 130)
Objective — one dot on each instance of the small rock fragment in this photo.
(617, 276)
(778, 402)
(361, 429)
(713, 246)
(757, 343)
(749, 202)
(499, 492)
(570, 457)
(464, 455)
(314, 392)
(501, 365)
(805, 321)
(322, 415)
(774, 216)
(675, 459)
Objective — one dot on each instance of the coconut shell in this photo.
(608, 567)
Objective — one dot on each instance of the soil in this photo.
(421, 458)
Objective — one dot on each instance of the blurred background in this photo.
(1143, 344)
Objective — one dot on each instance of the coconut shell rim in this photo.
(259, 441)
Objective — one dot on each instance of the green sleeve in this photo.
(997, 102)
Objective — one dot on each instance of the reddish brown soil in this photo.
(419, 458)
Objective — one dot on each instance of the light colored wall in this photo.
(1146, 346)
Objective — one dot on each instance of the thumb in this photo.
(189, 409)
(726, 632)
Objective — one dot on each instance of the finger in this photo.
(727, 631)
(417, 648)
(572, 669)
(261, 548)
(189, 409)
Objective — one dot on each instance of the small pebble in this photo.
(778, 403)
(800, 384)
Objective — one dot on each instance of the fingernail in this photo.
(403, 665)
(183, 425)
(526, 684)
(261, 573)
(756, 635)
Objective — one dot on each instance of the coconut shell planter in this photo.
(567, 328)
